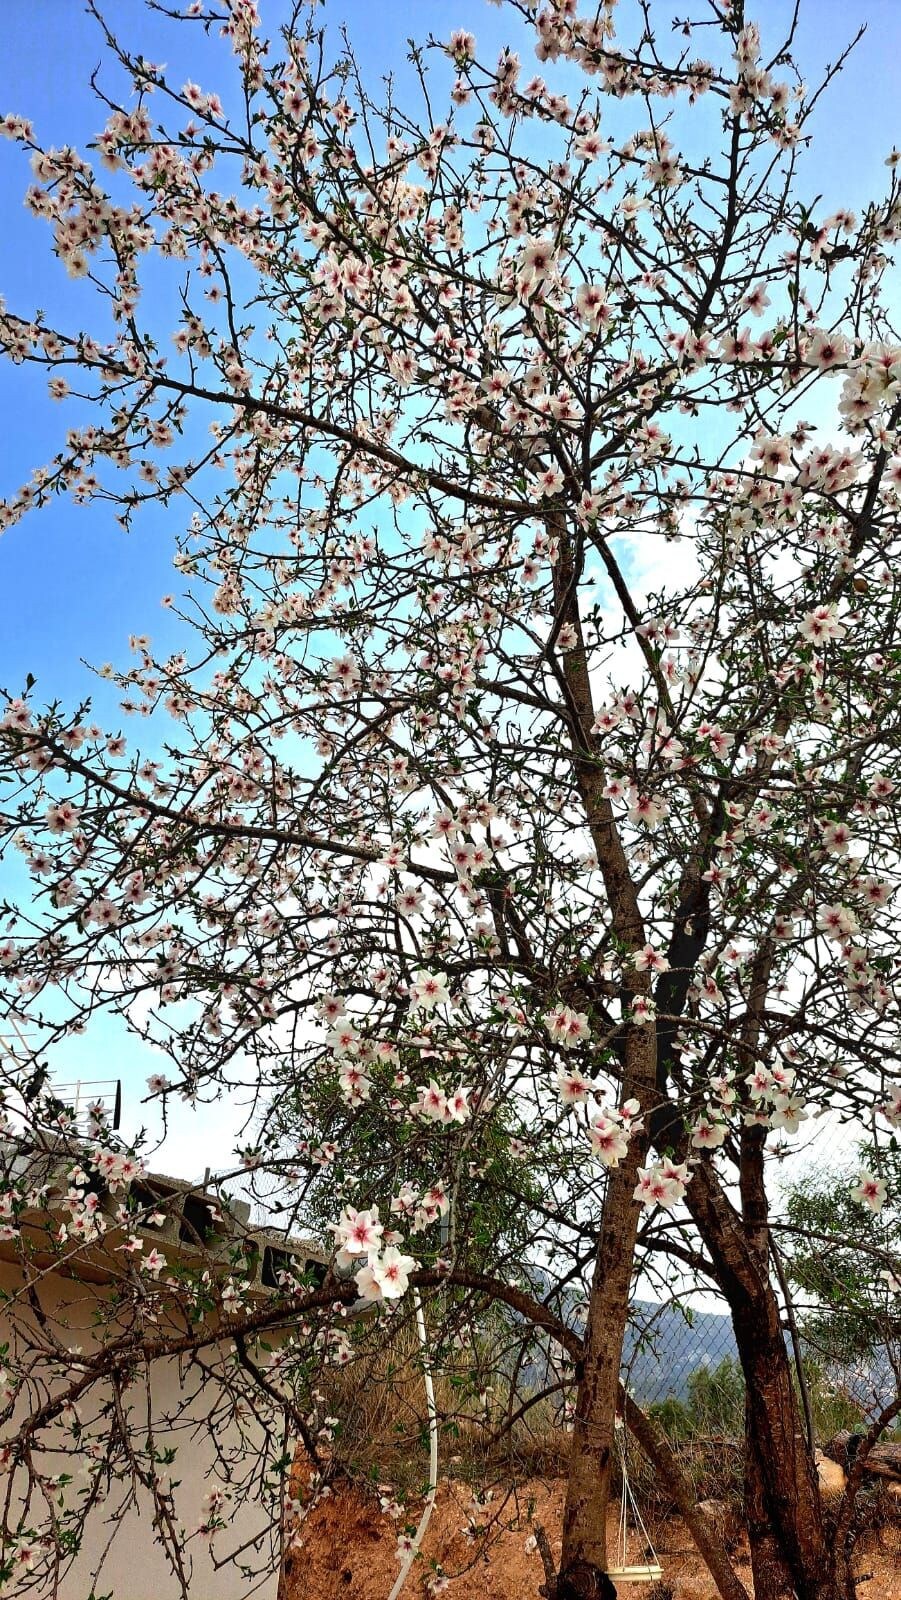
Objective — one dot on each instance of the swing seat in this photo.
(641, 1571)
(648, 1572)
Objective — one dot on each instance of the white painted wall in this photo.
(125, 1545)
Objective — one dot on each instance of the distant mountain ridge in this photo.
(663, 1348)
(665, 1345)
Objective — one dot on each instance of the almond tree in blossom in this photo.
(524, 798)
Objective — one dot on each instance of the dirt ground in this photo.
(346, 1546)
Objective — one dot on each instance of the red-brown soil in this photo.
(345, 1547)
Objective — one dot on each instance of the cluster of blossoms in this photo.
(10, 1202)
(420, 1209)
(355, 1057)
(433, 1105)
(149, 1261)
(214, 1513)
(773, 1102)
(662, 1183)
(26, 1552)
(83, 1202)
(116, 1169)
(567, 1027)
(86, 1221)
(382, 1270)
(609, 1128)
(873, 384)
(334, 1343)
(890, 1108)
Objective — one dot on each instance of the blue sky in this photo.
(72, 584)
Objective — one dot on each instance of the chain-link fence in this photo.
(835, 1269)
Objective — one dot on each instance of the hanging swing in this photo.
(643, 1572)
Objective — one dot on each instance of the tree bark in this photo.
(771, 1572)
(782, 1493)
(588, 1481)
(790, 1556)
(584, 1555)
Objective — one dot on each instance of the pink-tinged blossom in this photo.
(62, 817)
(649, 809)
(354, 1084)
(870, 1190)
(367, 1284)
(827, 350)
(537, 261)
(16, 716)
(573, 1088)
(356, 1233)
(435, 1199)
(567, 1027)
(593, 306)
(403, 1204)
(630, 1113)
(431, 1102)
(836, 837)
(836, 921)
(821, 625)
(708, 1134)
(343, 1039)
(643, 1010)
(331, 1008)
(647, 959)
(13, 127)
(391, 1271)
(458, 1108)
(789, 1111)
(461, 46)
(444, 825)
(609, 1140)
(429, 990)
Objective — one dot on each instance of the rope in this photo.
(627, 1499)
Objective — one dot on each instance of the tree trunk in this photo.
(790, 1556)
(770, 1571)
(584, 1556)
(584, 1553)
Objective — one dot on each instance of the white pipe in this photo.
(419, 1535)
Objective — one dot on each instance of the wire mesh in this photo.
(680, 1357)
